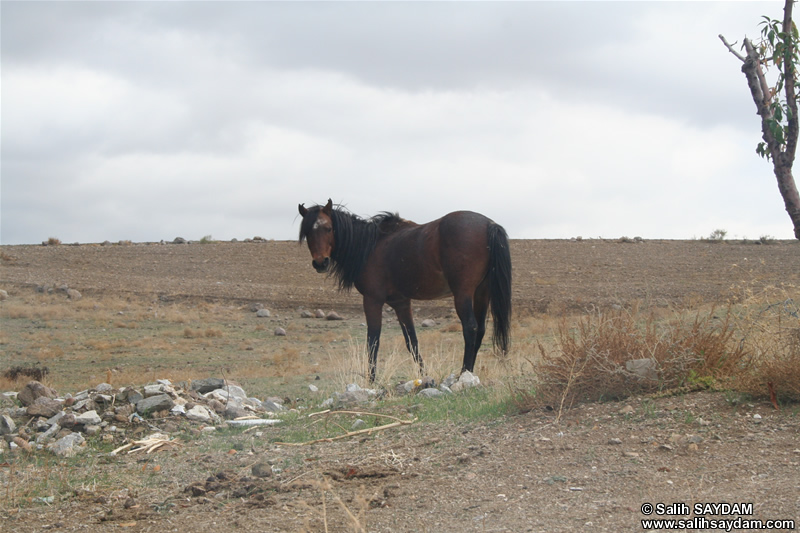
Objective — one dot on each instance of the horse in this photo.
(390, 260)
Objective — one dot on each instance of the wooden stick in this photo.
(358, 413)
(350, 434)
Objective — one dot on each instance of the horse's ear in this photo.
(328, 207)
(302, 209)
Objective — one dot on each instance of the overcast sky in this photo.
(152, 120)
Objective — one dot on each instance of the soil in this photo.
(550, 276)
(592, 469)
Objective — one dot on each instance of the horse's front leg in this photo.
(406, 319)
(373, 310)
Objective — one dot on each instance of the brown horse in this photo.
(392, 261)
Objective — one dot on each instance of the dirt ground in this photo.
(550, 276)
(592, 470)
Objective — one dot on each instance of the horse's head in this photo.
(317, 229)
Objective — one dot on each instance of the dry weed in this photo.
(767, 324)
(590, 362)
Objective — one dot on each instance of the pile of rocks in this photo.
(37, 418)
(48, 421)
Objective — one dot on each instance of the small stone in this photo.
(263, 313)
(233, 411)
(615, 441)
(206, 385)
(7, 425)
(153, 390)
(627, 410)
(272, 407)
(232, 391)
(333, 315)
(74, 295)
(351, 398)
(313, 388)
(319, 313)
(428, 323)
(465, 381)
(430, 393)
(262, 470)
(154, 403)
(34, 390)
(89, 418)
(68, 446)
(305, 313)
(450, 380)
(44, 406)
(67, 421)
(358, 424)
(132, 395)
(280, 332)
(198, 413)
(47, 435)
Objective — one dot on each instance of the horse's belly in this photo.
(431, 287)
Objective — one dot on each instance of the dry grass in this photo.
(745, 346)
(752, 346)
(590, 362)
(768, 327)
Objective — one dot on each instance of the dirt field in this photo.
(592, 470)
(549, 275)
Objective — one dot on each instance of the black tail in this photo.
(500, 285)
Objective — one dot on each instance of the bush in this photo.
(593, 358)
(718, 235)
(768, 326)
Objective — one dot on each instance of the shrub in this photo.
(591, 360)
(768, 326)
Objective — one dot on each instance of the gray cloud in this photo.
(145, 120)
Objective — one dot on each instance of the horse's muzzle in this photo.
(321, 266)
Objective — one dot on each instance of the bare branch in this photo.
(730, 48)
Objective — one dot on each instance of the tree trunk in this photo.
(788, 189)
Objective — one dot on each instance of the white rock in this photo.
(89, 418)
(465, 381)
(68, 446)
(198, 413)
(254, 422)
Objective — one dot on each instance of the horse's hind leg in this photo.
(406, 319)
(469, 327)
(481, 307)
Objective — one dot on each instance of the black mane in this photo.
(355, 239)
